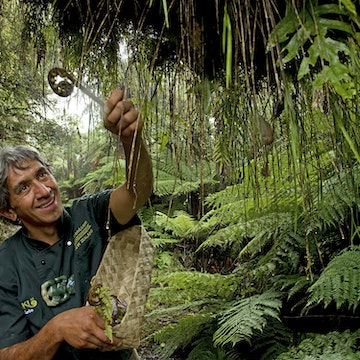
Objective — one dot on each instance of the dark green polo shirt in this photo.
(38, 281)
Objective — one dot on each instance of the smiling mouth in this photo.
(47, 204)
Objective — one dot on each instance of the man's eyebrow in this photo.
(41, 169)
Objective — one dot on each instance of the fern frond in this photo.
(185, 306)
(179, 335)
(183, 178)
(339, 194)
(339, 282)
(330, 346)
(247, 317)
(102, 176)
(260, 230)
(180, 224)
(166, 260)
(164, 187)
(227, 236)
(257, 243)
(301, 285)
(289, 249)
(231, 194)
(185, 286)
(146, 215)
(205, 350)
(274, 340)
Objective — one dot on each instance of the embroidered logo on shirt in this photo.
(29, 305)
(82, 234)
(57, 291)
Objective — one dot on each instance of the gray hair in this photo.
(14, 156)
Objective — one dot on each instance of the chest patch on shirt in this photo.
(82, 234)
(57, 291)
(29, 305)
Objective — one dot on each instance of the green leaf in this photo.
(327, 49)
(282, 31)
(335, 25)
(247, 317)
(329, 9)
(339, 282)
(349, 5)
(297, 41)
(166, 14)
(227, 45)
(338, 76)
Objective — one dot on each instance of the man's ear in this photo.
(9, 214)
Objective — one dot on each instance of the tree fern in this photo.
(292, 284)
(187, 307)
(340, 281)
(247, 317)
(192, 299)
(146, 215)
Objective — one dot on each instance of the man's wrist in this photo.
(53, 330)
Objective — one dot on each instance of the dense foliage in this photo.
(255, 211)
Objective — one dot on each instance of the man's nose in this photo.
(41, 188)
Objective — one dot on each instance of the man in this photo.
(46, 267)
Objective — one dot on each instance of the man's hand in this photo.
(121, 117)
(84, 328)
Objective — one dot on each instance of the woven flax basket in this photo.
(126, 269)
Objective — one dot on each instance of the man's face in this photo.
(34, 196)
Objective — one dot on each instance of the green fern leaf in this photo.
(328, 49)
(179, 335)
(330, 346)
(205, 350)
(340, 281)
(186, 286)
(247, 317)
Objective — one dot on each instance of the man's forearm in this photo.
(42, 346)
(126, 200)
(139, 171)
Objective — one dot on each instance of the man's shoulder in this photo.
(89, 198)
(10, 250)
(11, 243)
